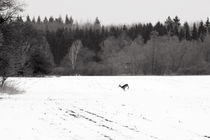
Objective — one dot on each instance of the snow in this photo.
(87, 108)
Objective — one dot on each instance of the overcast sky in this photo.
(120, 11)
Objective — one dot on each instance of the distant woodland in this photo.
(56, 46)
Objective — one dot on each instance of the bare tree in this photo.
(9, 9)
(73, 52)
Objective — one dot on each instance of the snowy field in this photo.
(95, 108)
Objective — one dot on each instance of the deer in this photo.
(124, 86)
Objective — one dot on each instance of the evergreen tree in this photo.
(38, 19)
(97, 24)
(208, 25)
(59, 20)
(182, 34)
(51, 19)
(19, 19)
(194, 32)
(169, 25)
(71, 21)
(201, 31)
(176, 26)
(177, 21)
(28, 18)
(67, 20)
(187, 31)
(45, 20)
(160, 28)
(34, 20)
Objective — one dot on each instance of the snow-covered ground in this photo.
(95, 108)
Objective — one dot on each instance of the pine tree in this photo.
(176, 26)
(34, 20)
(194, 32)
(45, 20)
(201, 31)
(169, 25)
(38, 19)
(71, 21)
(28, 18)
(59, 20)
(51, 19)
(208, 25)
(97, 24)
(160, 28)
(19, 19)
(177, 21)
(97, 21)
(181, 35)
(67, 20)
(187, 31)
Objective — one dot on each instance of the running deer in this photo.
(124, 86)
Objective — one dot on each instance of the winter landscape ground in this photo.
(95, 108)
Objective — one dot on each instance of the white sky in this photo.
(121, 11)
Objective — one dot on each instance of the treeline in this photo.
(64, 47)
(92, 34)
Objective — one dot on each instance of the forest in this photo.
(32, 46)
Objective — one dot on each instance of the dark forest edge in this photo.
(35, 47)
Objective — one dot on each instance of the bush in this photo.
(40, 64)
(61, 71)
(200, 69)
(10, 88)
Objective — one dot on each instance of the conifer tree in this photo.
(59, 19)
(181, 34)
(187, 31)
(97, 24)
(177, 21)
(28, 18)
(38, 19)
(201, 31)
(169, 25)
(51, 19)
(194, 32)
(71, 21)
(208, 25)
(67, 20)
(45, 20)
(34, 20)
(19, 19)
(176, 26)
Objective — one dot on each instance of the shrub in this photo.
(40, 64)
(61, 71)
(10, 88)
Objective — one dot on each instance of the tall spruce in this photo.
(187, 31)
(51, 19)
(201, 31)
(38, 19)
(28, 19)
(194, 32)
(67, 20)
(176, 26)
(181, 34)
(169, 25)
(208, 25)
(45, 20)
